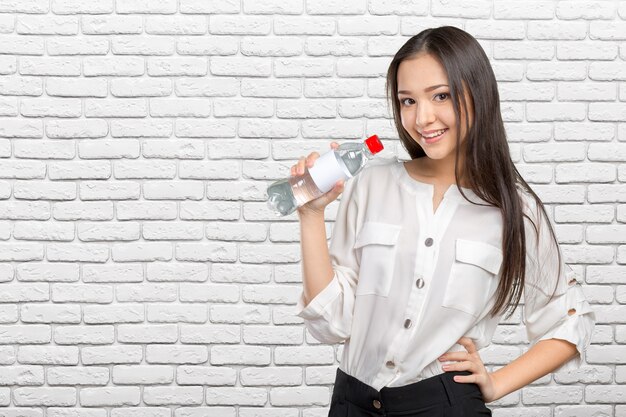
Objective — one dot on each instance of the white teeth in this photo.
(437, 133)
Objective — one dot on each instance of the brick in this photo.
(76, 129)
(173, 395)
(398, 7)
(273, 7)
(508, 9)
(82, 6)
(320, 46)
(119, 107)
(209, 170)
(144, 375)
(113, 66)
(48, 397)
(142, 252)
(206, 87)
(336, 7)
(190, 128)
(141, 128)
(110, 25)
(283, 46)
(72, 87)
(144, 45)
(179, 25)
(210, 7)
(111, 354)
(209, 45)
(93, 232)
(140, 87)
(561, 31)
(78, 376)
(44, 232)
(146, 292)
(258, 87)
(591, 50)
(22, 375)
(615, 30)
(243, 67)
(543, 112)
(49, 66)
(25, 6)
(303, 25)
(110, 396)
(46, 25)
(22, 45)
(458, 8)
(109, 149)
(113, 314)
(205, 252)
(243, 108)
(70, 252)
(112, 273)
(590, 10)
(55, 107)
(239, 25)
(146, 6)
(534, 50)
(21, 86)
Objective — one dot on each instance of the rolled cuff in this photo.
(316, 307)
(576, 328)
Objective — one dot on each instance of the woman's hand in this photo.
(470, 361)
(317, 205)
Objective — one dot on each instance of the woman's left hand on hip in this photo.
(470, 361)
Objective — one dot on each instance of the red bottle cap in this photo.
(374, 144)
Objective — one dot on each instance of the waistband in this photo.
(434, 391)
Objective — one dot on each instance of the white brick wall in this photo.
(141, 273)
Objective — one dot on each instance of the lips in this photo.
(434, 139)
(427, 133)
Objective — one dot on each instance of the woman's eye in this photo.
(404, 101)
(442, 94)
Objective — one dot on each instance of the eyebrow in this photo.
(431, 88)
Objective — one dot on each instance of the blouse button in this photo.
(376, 404)
(419, 283)
(390, 364)
(407, 323)
(429, 241)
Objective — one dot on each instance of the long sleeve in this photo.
(328, 316)
(545, 318)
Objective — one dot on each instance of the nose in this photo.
(424, 115)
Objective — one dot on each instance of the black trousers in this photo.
(437, 396)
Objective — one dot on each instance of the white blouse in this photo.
(409, 283)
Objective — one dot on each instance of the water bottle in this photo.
(286, 195)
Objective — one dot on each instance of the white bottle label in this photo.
(326, 171)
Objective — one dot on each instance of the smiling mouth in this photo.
(434, 138)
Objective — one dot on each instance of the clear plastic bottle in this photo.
(286, 195)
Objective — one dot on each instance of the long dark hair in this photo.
(488, 168)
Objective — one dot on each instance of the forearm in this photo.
(544, 357)
(317, 270)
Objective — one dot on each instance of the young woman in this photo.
(427, 255)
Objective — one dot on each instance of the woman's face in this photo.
(426, 106)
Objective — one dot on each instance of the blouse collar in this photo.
(416, 186)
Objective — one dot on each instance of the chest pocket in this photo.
(472, 276)
(376, 245)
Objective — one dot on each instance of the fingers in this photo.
(458, 366)
(298, 168)
(338, 187)
(454, 356)
(308, 162)
(466, 379)
(468, 344)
